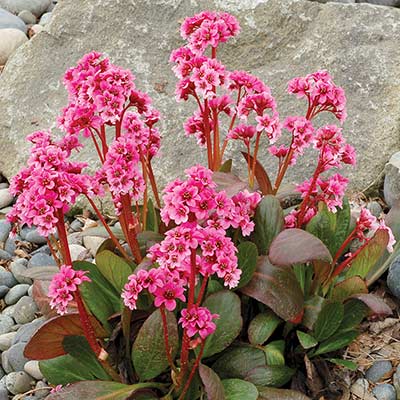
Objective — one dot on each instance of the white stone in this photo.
(10, 40)
(45, 19)
(36, 7)
(27, 17)
(92, 243)
(6, 340)
(32, 368)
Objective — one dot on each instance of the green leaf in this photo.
(307, 341)
(336, 342)
(352, 366)
(212, 384)
(328, 320)
(249, 363)
(343, 217)
(78, 347)
(99, 295)
(354, 312)
(226, 166)
(268, 222)
(227, 305)
(237, 389)
(152, 220)
(247, 262)
(149, 355)
(101, 390)
(323, 225)
(262, 327)
(276, 287)
(274, 352)
(261, 175)
(114, 268)
(213, 286)
(147, 239)
(312, 308)
(267, 393)
(344, 289)
(369, 255)
(295, 246)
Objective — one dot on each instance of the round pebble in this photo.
(25, 310)
(384, 392)
(18, 269)
(9, 20)
(16, 293)
(18, 382)
(5, 229)
(45, 19)
(7, 278)
(32, 368)
(92, 243)
(3, 291)
(41, 260)
(27, 17)
(26, 331)
(4, 255)
(379, 370)
(15, 356)
(6, 323)
(6, 198)
(11, 244)
(6, 340)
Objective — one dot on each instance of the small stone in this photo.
(3, 393)
(36, 7)
(5, 229)
(6, 340)
(42, 250)
(391, 186)
(26, 331)
(92, 243)
(7, 278)
(18, 382)
(76, 225)
(388, 3)
(25, 310)
(4, 255)
(32, 368)
(30, 291)
(34, 30)
(360, 389)
(41, 394)
(75, 238)
(11, 244)
(13, 36)
(396, 379)
(6, 323)
(9, 311)
(5, 364)
(393, 278)
(78, 252)
(41, 260)
(3, 291)
(380, 369)
(35, 237)
(18, 268)
(27, 17)
(16, 293)
(2, 373)
(16, 358)
(9, 20)
(45, 19)
(384, 392)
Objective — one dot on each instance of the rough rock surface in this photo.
(280, 39)
(10, 40)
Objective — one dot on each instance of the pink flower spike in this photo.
(198, 320)
(167, 295)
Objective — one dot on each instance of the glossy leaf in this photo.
(369, 255)
(342, 229)
(312, 308)
(336, 342)
(114, 268)
(40, 293)
(47, 341)
(274, 352)
(295, 246)
(227, 305)
(238, 389)
(354, 312)
(377, 306)
(352, 366)
(328, 320)
(148, 352)
(276, 287)
(247, 262)
(344, 289)
(101, 390)
(229, 182)
(152, 220)
(322, 271)
(260, 174)
(268, 223)
(99, 295)
(226, 166)
(212, 384)
(267, 393)
(307, 341)
(262, 327)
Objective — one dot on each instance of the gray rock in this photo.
(2, 373)
(41, 394)
(10, 40)
(18, 268)
(393, 278)
(18, 382)
(42, 250)
(27, 17)
(41, 260)
(3, 393)
(45, 19)
(35, 29)
(76, 225)
(75, 238)
(390, 3)
(11, 244)
(31, 234)
(360, 389)
(3, 291)
(391, 186)
(279, 40)
(5, 364)
(78, 252)
(25, 310)
(396, 379)
(6, 323)
(32, 368)
(16, 293)
(92, 243)
(30, 290)
(26, 331)
(7, 278)
(9, 311)
(4, 185)
(37, 7)
(50, 8)
(16, 358)
(378, 370)
(6, 340)
(384, 392)
(8, 20)
(375, 208)
(4, 255)
(5, 229)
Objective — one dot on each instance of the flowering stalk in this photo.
(166, 339)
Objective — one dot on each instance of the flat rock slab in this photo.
(280, 39)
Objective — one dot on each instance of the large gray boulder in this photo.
(280, 39)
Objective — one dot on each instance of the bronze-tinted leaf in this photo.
(212, 384)
(267, 393)
(261, 175)
(375, 304)
(348, 287)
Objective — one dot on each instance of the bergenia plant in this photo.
(217, 291)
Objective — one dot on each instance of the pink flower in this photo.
(198, 320)
(63, 286)
(167, 295)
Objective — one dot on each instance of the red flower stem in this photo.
(253, 170)
(153, 182)
(145, 194)
(166, 339)
(207, 134)
(283, 169)
(103, 140)
(193, 371)
(343, 246)
(53, 253)
(109, 231)
(249, 163)
(217, 160)
(213, 52)
(97, 147)
(202, 290)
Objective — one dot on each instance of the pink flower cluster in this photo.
(63, 286)
(198, 320)
(49, 184)
(322, 94)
